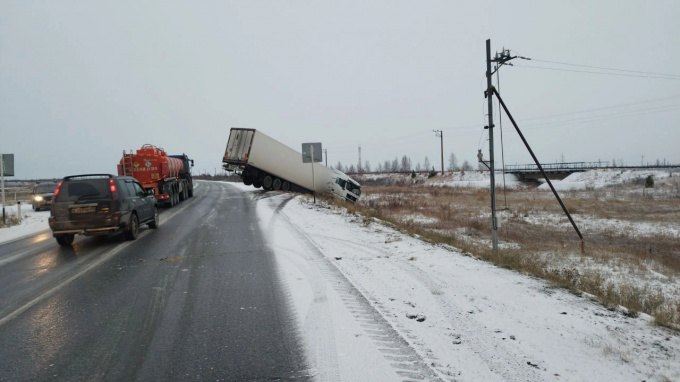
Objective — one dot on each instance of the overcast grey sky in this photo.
(80, 81)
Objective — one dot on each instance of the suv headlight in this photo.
(38, 198)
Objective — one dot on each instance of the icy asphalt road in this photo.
(198, 299)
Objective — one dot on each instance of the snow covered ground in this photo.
(375, 304)
(468, 179)
(32, 222)
(606, 177)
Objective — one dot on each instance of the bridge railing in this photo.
(565, 166)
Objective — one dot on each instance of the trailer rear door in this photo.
(238, 147)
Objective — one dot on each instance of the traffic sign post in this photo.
(6, 168)
(311, 152)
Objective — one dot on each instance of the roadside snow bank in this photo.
(595, 179)
(31, 222)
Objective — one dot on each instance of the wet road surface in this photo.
(197, 299)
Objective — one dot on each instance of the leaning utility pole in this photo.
(488, 94)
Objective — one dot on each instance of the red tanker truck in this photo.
(168, 175)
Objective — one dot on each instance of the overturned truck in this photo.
(269, 164)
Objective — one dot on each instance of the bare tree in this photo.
(395, 165)
(453, 162)
(379, 168)
(427, 164)
(466, 166)
(388, 166)
(405, 164)
(339, 167)
(418, 169)
(367, 167)
(351, 169)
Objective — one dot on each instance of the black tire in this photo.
(247, 180)
(267, 182)
(285, 186)
(65, 240)
(277, 184)
(191, 192)
(133, 228)
(257, 183)
(156, 220)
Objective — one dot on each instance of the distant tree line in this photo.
(404, 165)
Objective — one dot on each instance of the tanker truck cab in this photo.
(344, 187)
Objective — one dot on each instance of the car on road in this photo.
(42, 195)
(100, 204)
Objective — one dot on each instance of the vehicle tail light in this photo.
(56, 190)
(114, 190)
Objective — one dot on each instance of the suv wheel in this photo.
(65, 240)
(133, 228)
(154, 223)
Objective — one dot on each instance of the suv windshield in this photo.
(45, 188)
(78, 189)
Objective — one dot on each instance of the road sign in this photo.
(311, 148)
(8, 164)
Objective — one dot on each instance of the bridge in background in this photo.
(559, 171)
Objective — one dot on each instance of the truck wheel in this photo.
(133, 228)
(285, 186)
(65, 240)
(247, 180)
(257, 183)
(277, 184)
(267, 182)
(191, 192)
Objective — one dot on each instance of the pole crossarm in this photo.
(507, 112)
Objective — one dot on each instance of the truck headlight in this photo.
(38, 198)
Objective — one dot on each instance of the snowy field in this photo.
(466, 319)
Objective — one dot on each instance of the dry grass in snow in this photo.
(632, 235)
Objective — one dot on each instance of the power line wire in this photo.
(601, 73)
(605, 68)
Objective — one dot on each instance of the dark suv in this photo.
(99, 204)
(42, 195)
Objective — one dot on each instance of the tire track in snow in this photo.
(495, 355)
(407, 363)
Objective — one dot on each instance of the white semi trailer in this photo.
(267, 163)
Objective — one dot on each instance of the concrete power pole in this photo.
(359, 166)
(489, 95)
(440, 134)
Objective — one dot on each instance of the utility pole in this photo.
(488, 94)
(440, 134)
(359, 166)
(326, 152)
(2, 175)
